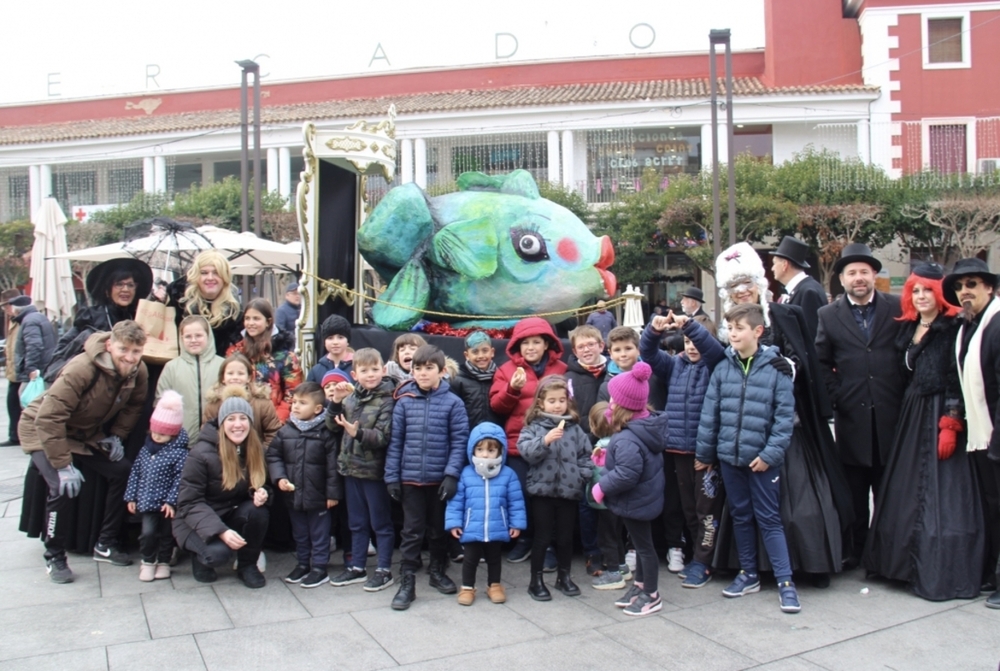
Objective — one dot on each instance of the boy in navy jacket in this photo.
(746, 426)
(686, 376)
(425, 458)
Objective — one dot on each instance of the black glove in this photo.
(448, 487)
(395, 491)
(782, 366)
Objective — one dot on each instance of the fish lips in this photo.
(603, 263)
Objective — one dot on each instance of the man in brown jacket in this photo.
(103, 386)
(13, 386)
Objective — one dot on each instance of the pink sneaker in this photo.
(162, 572)
(147, 572)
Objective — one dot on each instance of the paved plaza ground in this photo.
(107, 619)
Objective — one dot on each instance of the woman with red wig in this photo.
(927, 527)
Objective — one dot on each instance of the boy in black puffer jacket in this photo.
(474, 379)
(302, 462)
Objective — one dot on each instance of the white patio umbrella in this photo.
(51, 277)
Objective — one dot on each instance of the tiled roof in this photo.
(421, 103)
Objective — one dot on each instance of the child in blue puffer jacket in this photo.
(686, 376)
(487, 511)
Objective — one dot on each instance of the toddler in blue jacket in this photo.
(746, 426)
(487, 511)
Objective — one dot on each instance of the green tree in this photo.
(16, 240)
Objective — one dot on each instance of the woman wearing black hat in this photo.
(927, 528)
(115, 288)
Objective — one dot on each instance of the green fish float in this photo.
(495, 248)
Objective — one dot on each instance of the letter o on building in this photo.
(638, 28)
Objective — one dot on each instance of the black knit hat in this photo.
(335, 325)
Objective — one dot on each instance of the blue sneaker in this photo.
(788, 597)
(551, 563)
(696, 575)
(744, 583)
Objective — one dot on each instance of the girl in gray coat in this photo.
(558, 454)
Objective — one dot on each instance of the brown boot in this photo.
(496, 593)
(466, 596)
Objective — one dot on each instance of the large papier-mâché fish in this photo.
(493, 248)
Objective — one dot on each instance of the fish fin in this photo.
(478, 181)
(520, 183)
(396, 228)
(410, 288)
(467, 247)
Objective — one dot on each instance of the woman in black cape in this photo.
(927, 527)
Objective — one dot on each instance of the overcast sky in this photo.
(86, 48)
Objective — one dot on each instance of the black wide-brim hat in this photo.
(794, 250)
(695, 293)
(964, 268)
(98, 278)
(856, 252)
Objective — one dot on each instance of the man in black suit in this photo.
(692, 301)
(972, 286)
(855, 343)
(788, 263)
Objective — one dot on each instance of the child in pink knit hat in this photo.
(153, 483)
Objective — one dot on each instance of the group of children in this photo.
(489, 454)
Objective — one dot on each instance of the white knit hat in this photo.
(741, 261)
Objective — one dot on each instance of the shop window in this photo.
(756, 141)
(619, 158)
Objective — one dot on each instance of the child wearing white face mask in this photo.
(486, 511)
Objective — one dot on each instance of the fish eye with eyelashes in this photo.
(529, 244)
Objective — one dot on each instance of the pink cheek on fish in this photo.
(566, 249)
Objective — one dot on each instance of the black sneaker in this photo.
(58, 570)
(315, 578)
(297, 574)
(350, 576)
(111, 555)
(520, 552)
(379, 581)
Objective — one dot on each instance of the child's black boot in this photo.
(407, 592)
(439, 579)
(565, 584)
(537, 588)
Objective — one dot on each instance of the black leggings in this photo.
(647, 565)
(473, 553)
(249, 521)
(554, 520)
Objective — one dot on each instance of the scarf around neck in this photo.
(977, 412)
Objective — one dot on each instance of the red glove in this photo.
(948, 437)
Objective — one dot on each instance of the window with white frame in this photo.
(946, 40)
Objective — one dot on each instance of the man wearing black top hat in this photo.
(972, 286)
(788, 264)
(855, 343)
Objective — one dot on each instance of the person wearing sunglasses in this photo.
(856, 346)
(972, 287)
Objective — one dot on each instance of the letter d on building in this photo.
(510, 43)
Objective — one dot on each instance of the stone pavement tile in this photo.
(3, 508)
(119, 580)
(879, 607)
(334, 642)
(671, 591)
(328, 600)
(273, 603)
(657, 638)
(755, 626)
(949, 640)
(184, 611)
(429, 630)
(978, 607)
(563, 614)
(13, 509)
(8, 529)
(31, 586)
(579, 650)
(25, 553)
(179, 653)
(94, 659)
(789, 664)
(71, 625)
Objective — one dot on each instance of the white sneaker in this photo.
(630, 560)
(675, 560)
(371, 549)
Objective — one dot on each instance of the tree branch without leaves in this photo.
(968, 225)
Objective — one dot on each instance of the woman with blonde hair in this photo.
(222, 496)
(208, 291)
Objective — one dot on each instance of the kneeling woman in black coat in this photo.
(220, 504)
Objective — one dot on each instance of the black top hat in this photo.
(963, 268)
(856, 252)
(695, 293)
(98, 278)
(794, 250)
